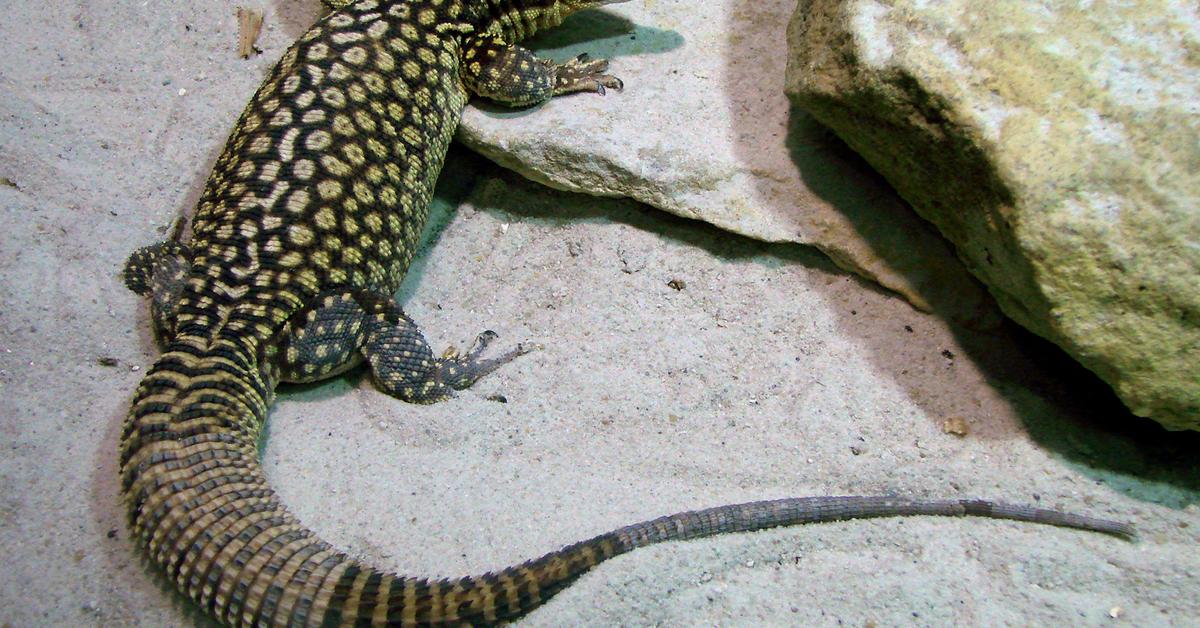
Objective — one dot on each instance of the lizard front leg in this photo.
(514, 76)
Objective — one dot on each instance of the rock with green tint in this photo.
(1056, 144)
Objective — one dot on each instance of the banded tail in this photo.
(197, 496)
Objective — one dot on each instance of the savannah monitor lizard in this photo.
(303, 232)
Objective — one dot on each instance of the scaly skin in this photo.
(304, 230)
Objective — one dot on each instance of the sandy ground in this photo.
(763, 372)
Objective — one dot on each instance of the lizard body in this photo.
(304, 230)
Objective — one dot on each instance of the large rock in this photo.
(704, 130)
(1058, 147)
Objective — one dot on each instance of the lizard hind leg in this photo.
(404, 366)
(323, 339)
(460, 371)
(343, 328)
(160, 272)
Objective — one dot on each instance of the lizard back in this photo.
(326, 178)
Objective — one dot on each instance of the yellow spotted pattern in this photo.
(314, 209)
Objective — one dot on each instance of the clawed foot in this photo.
(459, 371)
(583, 74)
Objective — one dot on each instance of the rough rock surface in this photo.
(704, 130)
(1057, 147)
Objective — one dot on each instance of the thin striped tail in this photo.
(761, 515)
(197, 497)
(514, 591)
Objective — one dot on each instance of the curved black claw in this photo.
(459, 370)
(481, 342)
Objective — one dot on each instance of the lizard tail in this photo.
(198, 499)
